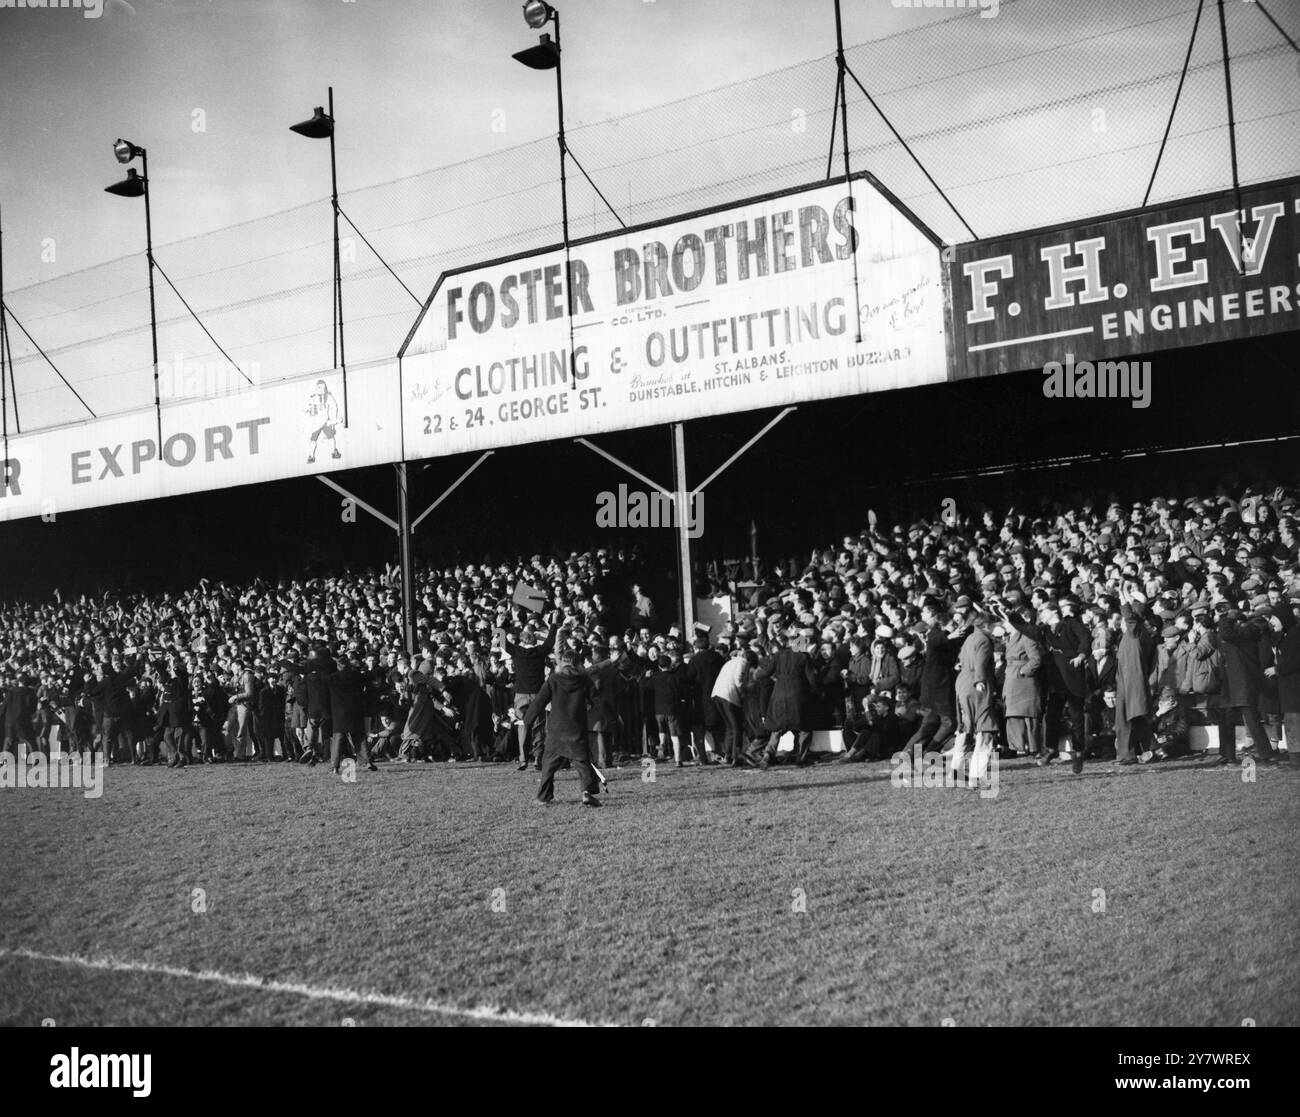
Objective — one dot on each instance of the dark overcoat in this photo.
(1134, 659)
(347, 690)
(793, 680)
(568, 693)
(608, 690)
(1242, 671)
(937, 670)
(702, 671)
(1065, 643)
(1288, 667)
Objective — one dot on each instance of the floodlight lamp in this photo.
(130, 187)
(125, 150)
(319, 127)
(537, 13)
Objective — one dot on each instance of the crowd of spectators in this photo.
(1098, 630)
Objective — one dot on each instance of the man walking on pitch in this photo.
(567, 692)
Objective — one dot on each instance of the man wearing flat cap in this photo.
(1022, 687)
(1171, 666)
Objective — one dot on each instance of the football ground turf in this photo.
(439, 894)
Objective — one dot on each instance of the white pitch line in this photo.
(312, 992)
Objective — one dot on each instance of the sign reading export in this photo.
(750, 306)
(290, 428)
(1178, 275)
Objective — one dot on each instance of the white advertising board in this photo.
(734, 309)
(293, 428)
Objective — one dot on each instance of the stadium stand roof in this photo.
(967, 94)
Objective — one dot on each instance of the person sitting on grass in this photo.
(385, 741)
(1101, 742)
(875, 734)
(1169, 736)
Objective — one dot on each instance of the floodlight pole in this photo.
(127, 152)
(153, 310)
(843, 85)
(564, 195)
(545, 56)
(5, 366)
(340, 353)
(564, 147)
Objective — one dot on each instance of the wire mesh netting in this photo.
(1051, 112)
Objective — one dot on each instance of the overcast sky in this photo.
(416, 85)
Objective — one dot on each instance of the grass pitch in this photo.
(1152, 896)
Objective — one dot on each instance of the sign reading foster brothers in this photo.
(1177, 275)
(732, 309)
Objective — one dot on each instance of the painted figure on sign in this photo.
(323, 417)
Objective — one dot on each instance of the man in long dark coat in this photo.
(1287, 666)
(702, 671)
(1243, 676)
(175, 712)
(347, 715)
(316, 736)
(567, 693)
(1134, 659)
(474, 710)
(1022, 689)
(793, 679)
(1068, 646)
(19, 710)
